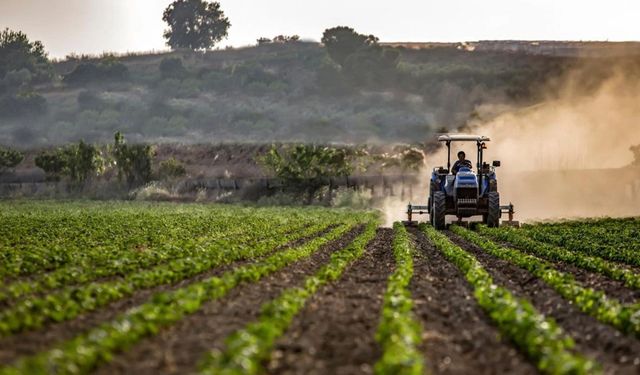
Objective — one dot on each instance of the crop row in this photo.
(124, 263)
(539, 337)
(612, 239)
(399, 334)
(36, 238)
(47, 240)
(554, 253)
(84, 352)
(626, 318)
(247, 348)
(69, 302)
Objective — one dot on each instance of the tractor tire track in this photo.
(335, 332)
(179, 348)
(616, 352)
(458, 337)
(32, 342)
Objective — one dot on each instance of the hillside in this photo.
(284, 92)
(294, 92)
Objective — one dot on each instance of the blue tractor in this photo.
(463, 192)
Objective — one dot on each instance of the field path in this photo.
(335, 332)
(458, 338)
(178, 349)
(32, 342)
(618, 353)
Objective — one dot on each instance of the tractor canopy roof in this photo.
(463, 138)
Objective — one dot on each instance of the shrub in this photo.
(24, 104)
(9, 158)
(89, 100)
(171, 168)
(133, 161)
(171, 67)
(88, 72)
(76, 161)
(307, 164)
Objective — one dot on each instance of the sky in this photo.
(96, 26)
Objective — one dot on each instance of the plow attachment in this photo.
(413, 209)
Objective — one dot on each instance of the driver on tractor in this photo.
(461, 162)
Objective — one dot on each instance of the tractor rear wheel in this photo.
(493, 214)
(438, 209)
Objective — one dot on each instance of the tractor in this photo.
(465, 193)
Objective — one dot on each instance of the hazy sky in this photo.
(94, 26)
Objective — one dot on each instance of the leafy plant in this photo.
(171, 168)
(82, 353)
(304, 163)
(77, 161)
(399, 334)
(249, 347)
(538, 337)
(132, 161)
(595, 303)
(9, 158)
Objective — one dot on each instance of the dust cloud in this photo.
(568, 156)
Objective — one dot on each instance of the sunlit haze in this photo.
(95, 26)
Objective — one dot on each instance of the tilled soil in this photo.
(618, 353)
(335, 332)
(179, 348)
(612, 288)
(458, 337)
(31, 342)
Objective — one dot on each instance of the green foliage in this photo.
(399, 334)
(307, 164)
(405, 158)
(612, 239)
(541, 248)
(22, 104)
(133, 161)
(282, 39)
(33, 312)
(362, 59)
(9, 158)
(538, 337)
(253, 240)
(51, 163)
(77, 161)
(171, 67)
(588, 300)
(195, 24)
(17, 52)
(249, 347)
(171, 168)
(342, 42)
(108, 70)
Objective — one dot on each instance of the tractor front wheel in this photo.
(438, 208)
(493, 214)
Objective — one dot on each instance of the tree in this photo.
(52, 164)
(133, 161)
(77, 161)
(304, 164)
(342, 41)
(9, 158)
(195, 24)
(17, 52)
